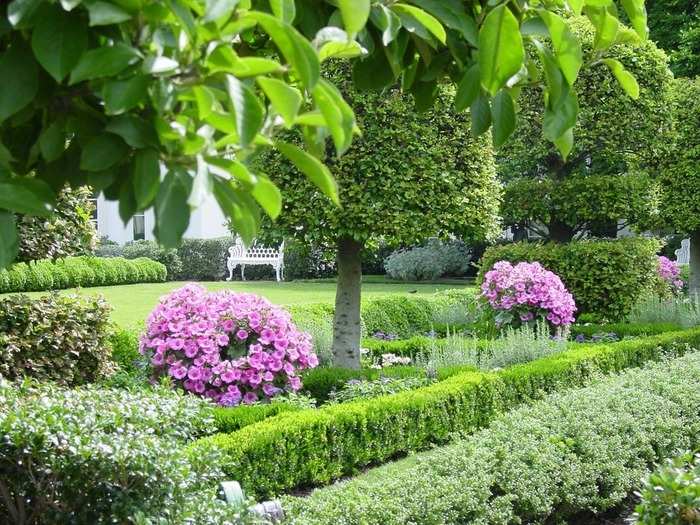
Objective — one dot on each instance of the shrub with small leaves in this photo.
(60, 338)
(384, 386)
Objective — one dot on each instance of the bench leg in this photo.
(242, 272)
(231, 267)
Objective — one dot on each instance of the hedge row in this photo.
(313, 447)
(60, 338)
(566, 459)
(73, 272)
(606, 277)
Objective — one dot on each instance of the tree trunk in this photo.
(347, 328)
(694, 280)
(560, 231)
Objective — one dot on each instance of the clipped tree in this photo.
(158, 103)
(680, 177)
(408, 177)
(617, 138)
(68, 231)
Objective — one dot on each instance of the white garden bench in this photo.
(255, 256)
(683, 253)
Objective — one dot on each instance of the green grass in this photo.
(133, 302)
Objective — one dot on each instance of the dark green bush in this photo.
(566, 459)
(671, 494)
(313, 447)
(230, 419)
(72, 272)
(203, 259)
(606, 277)
(151, 250)
(60, 338)
(93, 455)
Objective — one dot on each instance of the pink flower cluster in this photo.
(525, 292)
(230, 347)
(670, 272)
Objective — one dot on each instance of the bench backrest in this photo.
(239, 250)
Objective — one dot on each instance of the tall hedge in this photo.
(615, 135)
(606, 277)
(69, 230)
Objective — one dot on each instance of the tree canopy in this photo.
(617, 140)
(158, 103)
(675, 26)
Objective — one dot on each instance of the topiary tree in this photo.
(680, 177)
(410, 176)
(616, 138)
(68, 231)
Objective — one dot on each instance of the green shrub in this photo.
(683, 311)
(426, 263)
(313, 447)
(565, 459)
(203, 259)
(151, 250)
(671, 494)
(230, 419)
(72, 272)
(95, 455)
(61, 338)
(384, 386)
(606, 277)
(624, 329)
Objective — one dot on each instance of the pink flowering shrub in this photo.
(229, 347)
(525, 293)
(670, 274)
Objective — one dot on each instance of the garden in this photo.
(489, 310)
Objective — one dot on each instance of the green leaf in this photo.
(184, 16)
(135, 131)
(202, 184)
(268, 196)
(253, 66)
(127, 200)
(560, 114)
(285, 10)
(52, 141)
(468, 89)
(122, 95)
(567, 49)
(228, 168)
(428, 21)
(171, 210)
(576, 6)
(565, 143)
(293, 46)
(26, 195)
(239, 208)
(355, 14)
(20, 83)
(58, 41)
(104, 13)
(481, 114)
(503, 113)
(638, 16)
(157, 65)
(314, 169)
(337, 113)
(102, 152)
(9, 242)
(606, 27)
(205, 99)
(248, 111)
(217, 9)
(104, 61)
(69, 5)
(501, 51)
(19, 12)
(5, 157)
(146, 177)
(372, 72)
(452, 14)
(624, 77)
(285, 99)
(386, 21)
(350, 49)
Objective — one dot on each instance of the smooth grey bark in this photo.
(347, 327)
(694, 280)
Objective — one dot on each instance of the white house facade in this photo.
(206, 222)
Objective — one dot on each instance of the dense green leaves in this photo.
(122, 95)
(104, 62)
(8, 238)
(58, 41)
(18, 72)
(501, 48)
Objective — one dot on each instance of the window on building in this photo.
(139, 227)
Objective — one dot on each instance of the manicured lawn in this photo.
(133, 302)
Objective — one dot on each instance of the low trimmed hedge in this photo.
(74, 272)
(606, 277)
(314, 447)
(60, 338)
(624, 329)
(566, 459)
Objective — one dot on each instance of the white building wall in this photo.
(206, 222)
